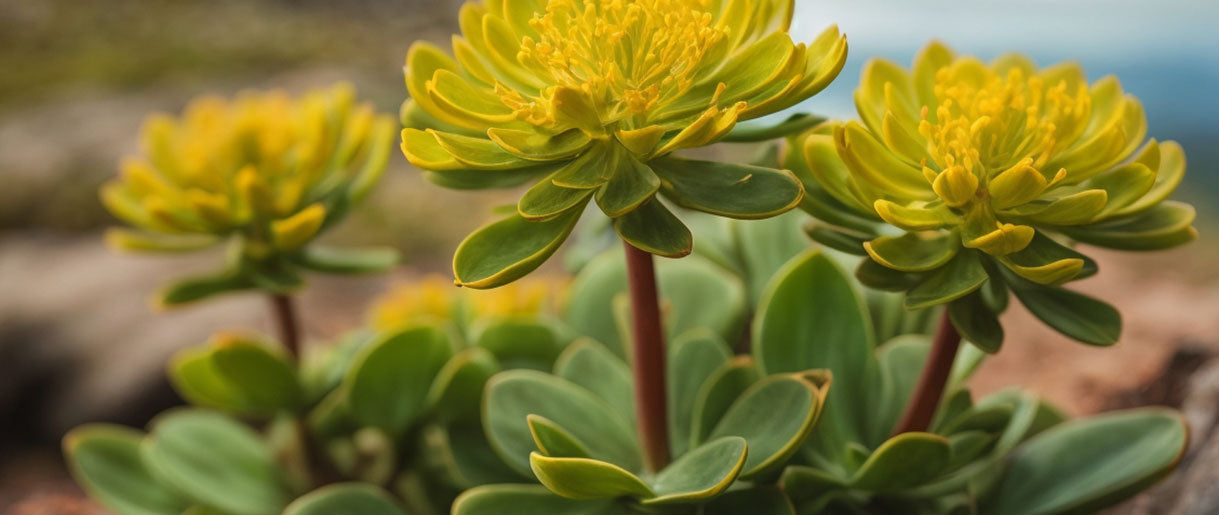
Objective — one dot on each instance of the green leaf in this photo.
(804, 483)
(1073, 314)
(1166, 225)
(914, 251)
(590, 365)
(837, 238)
(507, 250)
(877, 276)
(653, 228)
(486, 179)
(976, 322)
(513, 395)
(718, 394)
(774, 416)
(216, 461)
(345, 499)
(631, 184)
(962, 275)
(1045, 261)
(333, 260)
(198, 288)
(262, 375)
(461, 454)
(388, 384)
(590, 170)
(700, 474)
(554, 441)
(812, 317)
(540, 146)
(693, 358)
(725, 189)
(546, 200)
(700, 295)
(904, 461)
(584, 478)
(900, 362)
(105, 461)
(456, 392)
(519, 342)
(529, 500)
(1089, 464)
(765, 246)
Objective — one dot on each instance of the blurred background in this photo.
(79, 343)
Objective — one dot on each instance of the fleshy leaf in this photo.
(590, 365)
(732, 190)
(583, 478)
(216, 461)
(373, 260)
(774, 416)
(105, 461)
(914, 251)
(528, 500)
(509, 249)
(1089, 464)
(1073, 314)
(693, 358)
(906, 460)
(514, 395)
(388, 383)
(345, 499)
(962, 275)
(653, 228)
(702, 473)
(1164, 226)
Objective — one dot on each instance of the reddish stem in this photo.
(648, 358)
(930, 387)
(284, 312)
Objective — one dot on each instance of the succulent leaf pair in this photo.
(987, 169)
(265, 170)
(590, 99)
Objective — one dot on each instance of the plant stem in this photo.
(931, 383)
(284, 311)
(648, 358)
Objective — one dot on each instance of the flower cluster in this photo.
(266, 170)
(434, 299)
(986, 167)
(589, 99)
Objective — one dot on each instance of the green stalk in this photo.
(648, 358)
(933, 380)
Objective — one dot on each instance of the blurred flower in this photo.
(264, 168)
(988, 154)
(434, 299)
(592, 98)
(984, 168)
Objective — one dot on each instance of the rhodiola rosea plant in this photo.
(752, 375)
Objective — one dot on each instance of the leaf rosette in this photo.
(264, 170)
(984, 170)
(589, 100)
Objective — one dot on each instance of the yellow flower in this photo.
(264, 168)
(590, 99)
(986, 167)
(435, 299)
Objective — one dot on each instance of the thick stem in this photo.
(648, 358)
(284, 312)
(930, 387)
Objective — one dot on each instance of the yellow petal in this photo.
(295, 231)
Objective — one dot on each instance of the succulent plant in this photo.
(985, 170)
(266, 172)
(1007, 453)
(590, 100)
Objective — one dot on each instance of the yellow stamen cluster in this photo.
(628, 57)
(988, 127)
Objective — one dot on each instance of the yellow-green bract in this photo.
(589, 99)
